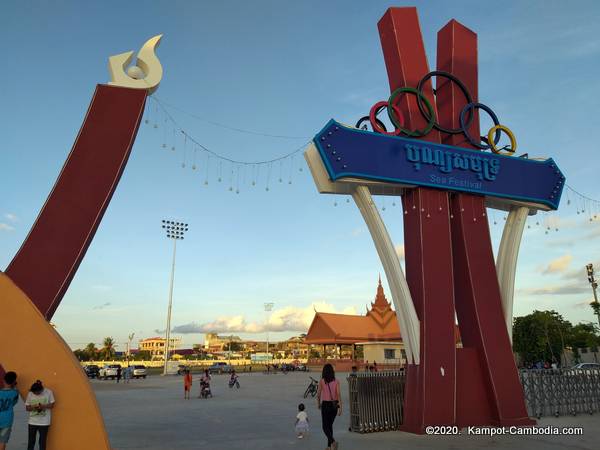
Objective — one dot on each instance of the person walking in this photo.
(329, 401)
(301, 424)
(39, 403)
(119, 372)
(8, 399)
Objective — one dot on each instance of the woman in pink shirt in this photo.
(329, 401)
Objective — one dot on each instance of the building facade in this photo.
(156, 345)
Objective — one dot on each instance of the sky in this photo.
(278, 68)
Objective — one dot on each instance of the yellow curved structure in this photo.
(26, 336)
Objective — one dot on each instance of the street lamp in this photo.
(595, 305)
(268, 309)
(130, 338)
(175, 231)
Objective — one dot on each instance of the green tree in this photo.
(91, 351)
(234, 346)
(142, 355)
(108, 348)
(541, 336)
(583, 335)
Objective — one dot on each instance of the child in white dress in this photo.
(301, 422)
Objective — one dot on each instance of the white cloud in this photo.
(11, 217)
(357, 231)
(5, 227)
(558, 265)
(102, 306)
(400, 250)
(290, 318)
(573, 288)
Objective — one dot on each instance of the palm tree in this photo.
(108, 349)
(91, 351)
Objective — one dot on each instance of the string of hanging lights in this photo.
(239, 173)
(233, 172)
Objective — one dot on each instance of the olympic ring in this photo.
(492, 114)
(375, 110)
(513, 141)
(363, 119)
(462, 87)
(428, 112)
(396, 122)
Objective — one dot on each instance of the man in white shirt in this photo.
(39, 403)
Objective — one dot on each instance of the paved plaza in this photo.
(152, 415)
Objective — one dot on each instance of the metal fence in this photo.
(376, 401)
(376, 398)
(561, 392)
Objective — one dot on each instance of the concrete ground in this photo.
(152, 415)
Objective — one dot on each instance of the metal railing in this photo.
(376, 398)
(376, 401)
(560, 392)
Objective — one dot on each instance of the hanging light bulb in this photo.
(146, 121)
(280, 180)
(230, 188)
(172, 148)
(237, 191)
(155, 125)
(164, 146)
(335, 203)
(253, 183)
(183, 165)
(194, 167)
(206, 183)
(568, 202)
(219, 180)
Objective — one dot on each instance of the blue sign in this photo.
(352, 153)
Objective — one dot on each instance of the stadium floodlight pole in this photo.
(595, 305)
(175, 231)
(129, 339)
(268, 309)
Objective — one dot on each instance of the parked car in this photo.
(220, 367)
(139, 371)
(586, 366)
(91, 370)
(109, 371)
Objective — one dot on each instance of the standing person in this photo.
(119, 374)
(126, 374)
(39, 403)
(367, 366)
(329, 401)
(187, 384)
(301, 422)
(374, 366)
(8, 399)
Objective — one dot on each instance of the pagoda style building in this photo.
(378, 324)
(377, 332)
